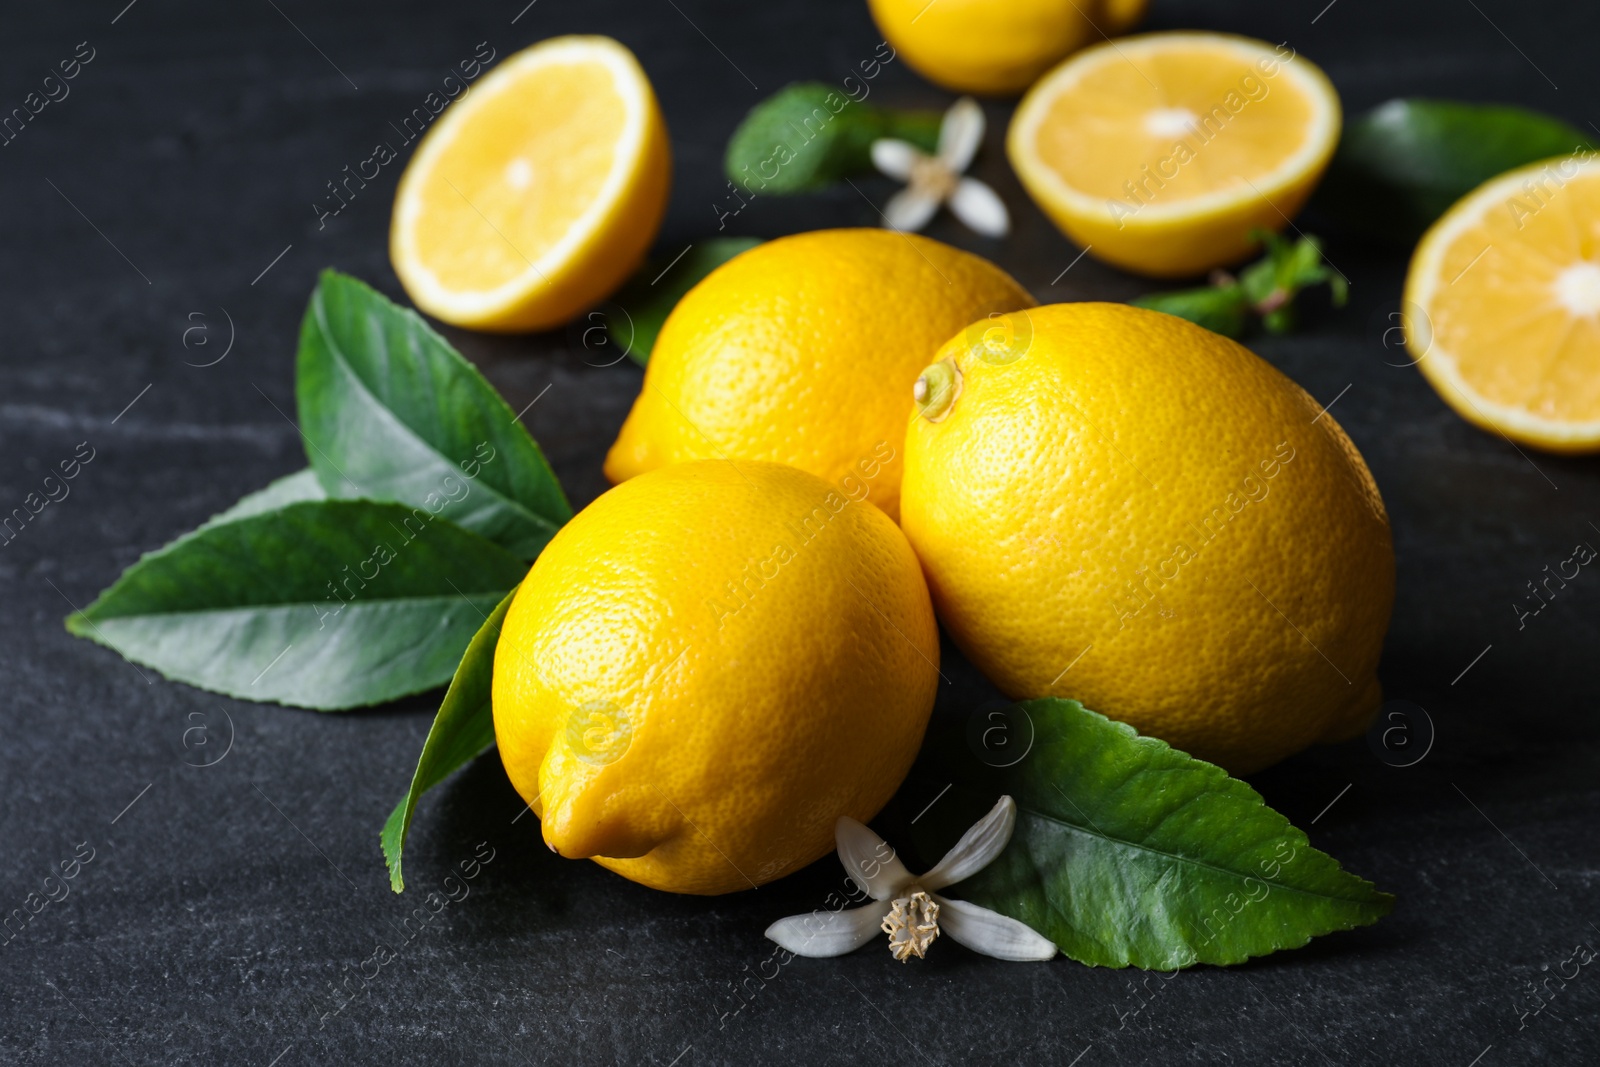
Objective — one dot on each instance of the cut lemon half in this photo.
(1161, 153)
(1502, 305)
(537, 193)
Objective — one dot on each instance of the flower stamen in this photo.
(932, 177)
(912, 925)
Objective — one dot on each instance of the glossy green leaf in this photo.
(638, 311)
(1128, 852)
(809, 135)
(462, 730)
(1401, 165)
(390, 411)
(327, 604)
(293, 488)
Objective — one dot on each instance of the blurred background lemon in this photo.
(997, 47)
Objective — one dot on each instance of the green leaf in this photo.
(328, 604)
(1266, 288)
(1288, 268)
(389, 411)
(1401, 165)
(1220, 309)
(462, 730)
(290, 489)
(652, 293)
(1128, 852)
(809, 135)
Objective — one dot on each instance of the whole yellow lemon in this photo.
(997, 47)
(801, 351)
(1119, 506)
(707, 667)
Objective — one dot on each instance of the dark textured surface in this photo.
(221, 910)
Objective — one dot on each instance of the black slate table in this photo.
(166, 207)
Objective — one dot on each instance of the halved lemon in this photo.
(537, 192)
(1502, 305)
(1161, 153)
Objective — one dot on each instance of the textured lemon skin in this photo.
(802, 351)
(749, 723)
(606, 256)
(1049, 505)
(1190, 240)
(996, 47)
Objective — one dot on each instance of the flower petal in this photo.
(977, 205)
(869, 861)
(828, 933)
(977, 847)
(909, 210)
(895, 158)
(991, 933)
(960, 134)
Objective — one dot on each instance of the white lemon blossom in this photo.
(936, 179)
(907, 907)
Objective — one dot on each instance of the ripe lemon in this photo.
(537, 193)
(801, 351)
(1161, 153)
(997, 47)
(1119, 506)
(1502, 307)
(707, 667)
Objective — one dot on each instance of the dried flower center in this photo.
(912, 924)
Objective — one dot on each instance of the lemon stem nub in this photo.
(937, 389)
